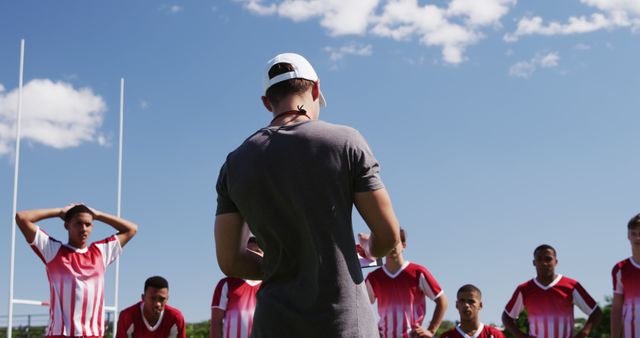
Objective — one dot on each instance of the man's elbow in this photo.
(21, 218)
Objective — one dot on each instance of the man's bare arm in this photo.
(216, 323)
(231, 235)
(26, 219)
(616, 315)
(438, 314)
(594, 319)
(126, 229)
(510, 325)
(376, 210)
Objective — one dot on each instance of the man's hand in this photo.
(365, 241)
(421, 332)
(63, 210)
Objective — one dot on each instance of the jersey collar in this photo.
(475, 335)
(547, 287)
(634, 263)
(394, 275)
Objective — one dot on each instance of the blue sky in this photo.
(499, 125)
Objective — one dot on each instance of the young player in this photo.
(233, 304)
(400, 288)
(469, 304)
(76, 269)
(549, 300)
(625, 316)
(152, 317)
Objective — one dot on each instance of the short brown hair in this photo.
(634, 222)
(280, 90)
(469, 288)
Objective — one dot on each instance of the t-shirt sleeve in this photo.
(583, 300)
(110, 249)
(124, 322)
(429, 285)
(182, 331)
(225, 204)
(366, 170)
(497, 333)
(44, 246)
(515, 304)
(616, 273)
(220, 295)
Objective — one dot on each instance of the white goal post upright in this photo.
(15, 191)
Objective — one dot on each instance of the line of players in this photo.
(401, 287)
(76, 276)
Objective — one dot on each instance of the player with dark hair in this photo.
(469, 304)
(295, 183)
(234, 302)
(75, 270)
(549, 299)
(152, 317)
(625, 316)
(400, 288)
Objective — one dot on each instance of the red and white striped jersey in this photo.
(550, 308)
(484, 331)
(133, 324)
(76, 283)
(626, 282)
(401, 297)
(237, 297)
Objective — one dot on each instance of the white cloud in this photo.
(171, 9)
(1, 88)
(450, 28)
(337, 54)
(613, 14)
(582, 46)
(53, 113)
(144, 104)
(525, 69)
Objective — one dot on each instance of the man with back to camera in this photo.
(549, 299)
(469, 304)
(295, 182)
(625, 317)
(151, 317)
(75, 270)
(234, 302)
(400, 287)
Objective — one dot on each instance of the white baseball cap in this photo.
(302, 69)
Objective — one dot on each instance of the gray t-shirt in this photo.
(294, 185)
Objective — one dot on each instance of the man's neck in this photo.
(470, 327)
(546, 280)
(393, 265)
(294, 104)
(150, 317)
(635, 253)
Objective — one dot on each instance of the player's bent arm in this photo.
(231, 235)
(376, 210)
(26, 220)
(216, 323)
(510, 324)
(616, 315)
(594, 319)
(438, 313)
(126, 229)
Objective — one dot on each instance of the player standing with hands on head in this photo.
(76, 269)
(295, 183)
(549, 299)
(400, 288)
(625, 317)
